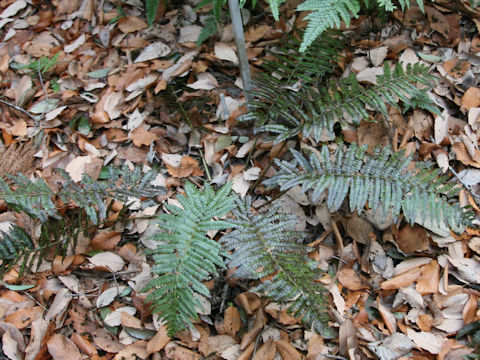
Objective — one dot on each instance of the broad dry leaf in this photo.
(108, 259)
(205, 81)
(188, 167)
(159, 340)
(75, 44)
(471, 98)
(131, 321)
(350, 279)
(38, 331)
(133, 351)
(287, 351)
(61, 348)
(59, 304)
(378, 55)
(105, 240)
(107, 297)
(266, 352)
(103, 339)
(426, 340)
(115, 317)
(130, 24)
(402, 280)
(153, 51)
(23, 317)
(10, 347)
(215, 344)
(177, 352)
(231, 321)
(13, 9)
(411, 239)
(387, 316)
(225, 52)
(140, 137)
(428, 281)
(83, 344)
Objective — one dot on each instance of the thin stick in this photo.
(41, 80)
(336, 232)
(466, 186)
(241, 48)
(20, 109)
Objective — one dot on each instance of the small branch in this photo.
(336, 232)
(41, 80)
(33, 117)
(466, 186)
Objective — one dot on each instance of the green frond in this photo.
(274, 7)
(14, 242)
(35, 198)
(287, 113)
(185, 256)
(326, 14)
(381, 179)
(265, 245)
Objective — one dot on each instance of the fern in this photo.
(185, 256)
(34, 198)
(311, 112)
(381, 179)
(326, 14)
(265, 247)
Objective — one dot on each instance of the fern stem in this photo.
(264, 171)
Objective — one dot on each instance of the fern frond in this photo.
(185, 256)
(310, 113)
(14, 242)
(381, 179)
(265, 246)
(35, 198)
(326, 14)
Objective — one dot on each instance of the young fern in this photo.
(264, 246)
(185, 256)
(381, 179)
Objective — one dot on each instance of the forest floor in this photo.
(111, 90)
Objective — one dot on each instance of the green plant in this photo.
(40, 66)
(151, 7)
(264, 245)
(59, 226)
(472, 329)
(185, 256)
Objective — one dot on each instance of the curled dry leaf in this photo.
(411, 239)
(266, 352)
(350, 279)
(159, 340)
(231, 321)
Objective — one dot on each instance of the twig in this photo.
(280, 194)
(41, 80)
(33, 117)
(264, 171)
(336, 232)
(466, 186)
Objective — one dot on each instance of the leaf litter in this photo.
(397, 292)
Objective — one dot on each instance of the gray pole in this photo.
(241, 48)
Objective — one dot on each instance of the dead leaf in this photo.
(105, 240)
(231, 321)
(61, 348)
(471, 98)
(215, 344)
(428, 281)
(188, 167)
(426, 340)
(10, 347)
(266, 352)
(287, 351)
(159, 340)
(131, 23)
(350, 279)
(177, 352)
(225, 52)
(141, 137)
(23, 317)
(107, 259)
(412, 239)
(153, 51)
(404, 279)
(133, 351)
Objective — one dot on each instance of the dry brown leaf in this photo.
(287, 351)
(427, 282)
(188, 167)
(256, 33)
(177, 352)
(159, 340)
(83, 344)
(315, 347)
(140, 137)
(350, 279)
(470, 309)
(215, 344)
(131, 321)
(279, 312)
(425, 322)
(61, 348)
(347, 339)
(133, 351)
(61, 263)
(463, 156)
(266, 352)
(10, 347)
(23, 317)
(231, 321)
(103, 339)
(105, 240)
(404, 279)
(387, 316)
(471, 98)
(131, 23)
(107, 259)
(411, 239)
(456, 68)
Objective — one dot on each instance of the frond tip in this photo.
(381, 179)
(264, 246)
(185, 256)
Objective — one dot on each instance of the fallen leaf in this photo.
(131, 23)
(350, 279)
(133, 351)
(23, 317)
(60, 348)
(411, 239)
(108, 259)
(10, 347)
(188, 167)
(266, 351)
(215, 344)
(159, 340)
(153, 51)
(426, 340)
(13, 9)
(287, 351)
(225, 52)
(231, 321)
(141, 137)
(471, 98)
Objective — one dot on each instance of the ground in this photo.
(88, 83)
